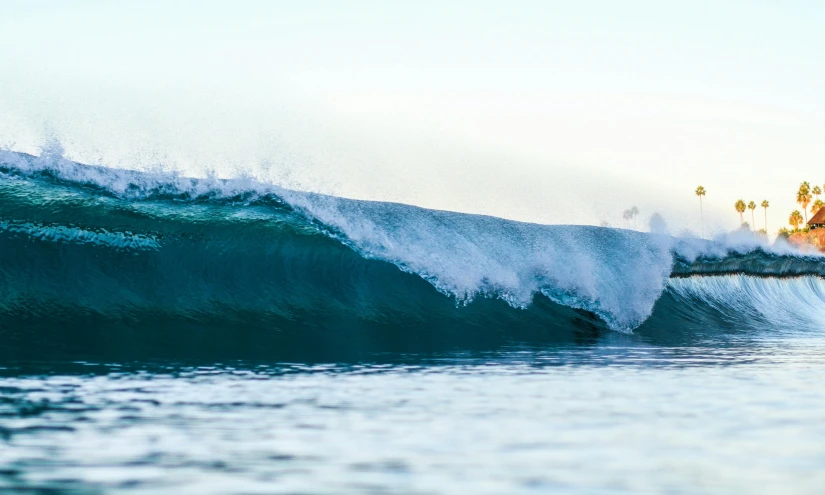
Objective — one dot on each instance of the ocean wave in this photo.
(80, 242)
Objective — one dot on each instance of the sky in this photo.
(543, 111)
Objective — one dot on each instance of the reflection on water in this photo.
(617, 417)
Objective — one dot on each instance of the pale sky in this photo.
(555, 112)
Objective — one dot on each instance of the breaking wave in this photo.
(90, 247)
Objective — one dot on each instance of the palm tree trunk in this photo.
(753, 222)
(701, 217)
(741, 218)
(766, 220)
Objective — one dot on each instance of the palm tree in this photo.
(803, 197)
(751, 207)
(740, 207)
(795, 219)
(765, 205)
(816, 191)
(816, 206)
(700, 191)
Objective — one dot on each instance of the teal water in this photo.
(614, 417)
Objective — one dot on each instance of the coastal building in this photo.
(818, 220)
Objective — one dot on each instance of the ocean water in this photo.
(160, 334)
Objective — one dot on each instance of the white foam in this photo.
(617, 274)
(131, 183)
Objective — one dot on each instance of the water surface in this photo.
(627, 418)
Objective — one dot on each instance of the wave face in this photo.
(103, 251)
